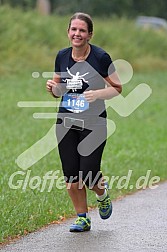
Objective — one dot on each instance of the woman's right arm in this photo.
(53, 86)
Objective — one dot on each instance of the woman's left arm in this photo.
(113, 88)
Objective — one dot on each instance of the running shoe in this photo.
(81, 224)
(105, 206)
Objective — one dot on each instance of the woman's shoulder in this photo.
(98, 50)
(64, 51)
(100, 54)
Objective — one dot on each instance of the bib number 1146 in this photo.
(75, 102)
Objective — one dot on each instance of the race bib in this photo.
(75, 103)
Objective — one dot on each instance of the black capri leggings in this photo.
(81, 153)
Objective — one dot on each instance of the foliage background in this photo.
(128, 8)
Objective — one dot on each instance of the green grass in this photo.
(31, 41)
(138, 144)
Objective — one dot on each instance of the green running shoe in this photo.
(81, 224)
(105, 206)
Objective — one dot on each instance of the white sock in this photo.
(103, 196)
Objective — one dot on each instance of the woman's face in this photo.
(78, 33)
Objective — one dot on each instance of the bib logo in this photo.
(76, 81)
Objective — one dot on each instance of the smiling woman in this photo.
(82, 73)
(79, 33)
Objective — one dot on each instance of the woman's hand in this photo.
(50, 84)
(91, 95)
(53, 88)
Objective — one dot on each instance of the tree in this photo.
(44, 6)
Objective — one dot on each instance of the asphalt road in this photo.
(138, 224)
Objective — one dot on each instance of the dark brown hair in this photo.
(84, 17)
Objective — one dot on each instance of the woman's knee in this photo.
(92, 180)
(75, 186)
